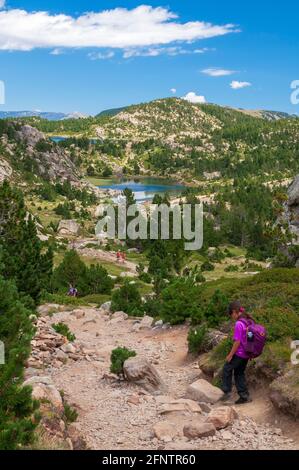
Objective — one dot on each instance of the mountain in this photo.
(27, 156)
(267, 115)
(172, 136)
(111, 112)
(51, 116)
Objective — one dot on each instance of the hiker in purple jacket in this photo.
(237, 359)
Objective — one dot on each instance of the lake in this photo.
(144, 189)
(58, 138)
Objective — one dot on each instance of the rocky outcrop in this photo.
(139, 371)
(284, 392)
(290, 220)
(51, 349)
(5, 170)
(68, 227)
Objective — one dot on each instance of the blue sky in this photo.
(89, 63)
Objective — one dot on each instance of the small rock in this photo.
(121, 315)
(199, 430)
(222, 416)
(134, 400)
(146, 322)
(203, 391)
(165, 431)
(227, 436)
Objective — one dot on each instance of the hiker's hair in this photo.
(236, 306)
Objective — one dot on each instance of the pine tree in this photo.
(25, 261)
(17, 408)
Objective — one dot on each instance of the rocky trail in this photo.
(116, 414)
(101, 255)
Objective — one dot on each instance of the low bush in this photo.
(127, 299)
(88, 280)
(64, 330)
(196, 337)
(179, 301)
(118, 358)
(70, 414)
(207, 266)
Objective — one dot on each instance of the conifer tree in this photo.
(24, 260)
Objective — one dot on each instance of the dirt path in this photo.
(101, 255)
(114, 414)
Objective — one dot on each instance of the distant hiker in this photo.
(123, 256)
(72, 291)
(249, 340)
(118, 256)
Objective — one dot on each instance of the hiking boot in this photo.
(226, 397)
(243, 400)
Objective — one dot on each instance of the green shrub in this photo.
(231, 269)
(179, 301)
(70, 414)
(196, 337)
(64, 330)
(127, 299)
(207, 266)
(216, 309)
(200, 278)
(17, 408)
(72, 270)
(118, 358)
(145, 277)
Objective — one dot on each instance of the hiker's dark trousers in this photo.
(237, 368)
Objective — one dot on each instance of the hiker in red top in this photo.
(237, 359)
(118, 255)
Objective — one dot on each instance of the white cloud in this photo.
(157, 51)
(215, 72)
(2, 3)
(101, 55)
(56, 51)
(235, 85)
(173, 91)
(194, 98)
(144, 26)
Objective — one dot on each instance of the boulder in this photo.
(38, 380)
(68, 227)
(146, 322)
(179, 406)
(68, 348)
(212, 339)
(49, 393)
(165, 431)
(44, 310)
(199, 430)
(119, 315)
(284, 392)
(78, 313)
(106, 306)
(139, 371)
(203, 391)
(222, 416)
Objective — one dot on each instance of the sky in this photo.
(87, 56)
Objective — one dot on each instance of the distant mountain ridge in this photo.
(50, 116)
